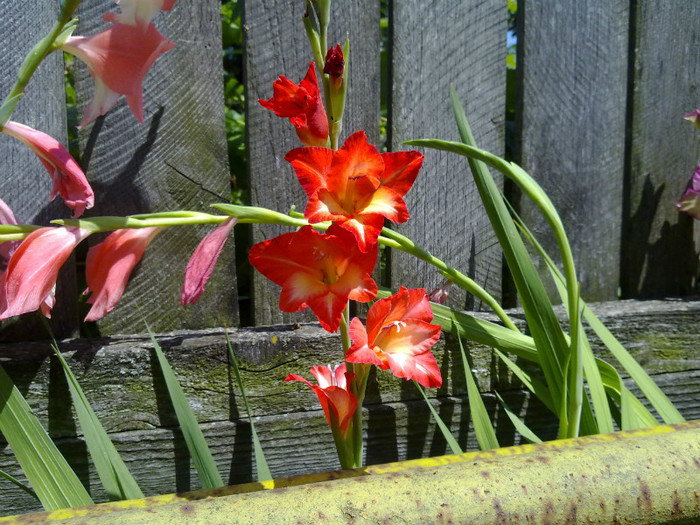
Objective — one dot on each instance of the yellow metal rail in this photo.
(637, 477)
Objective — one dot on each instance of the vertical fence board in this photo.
(25, 185)
(276, 45)
(659, 258)
(177, 160)
(462, 43)
(573, 70)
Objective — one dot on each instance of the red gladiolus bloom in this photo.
(69, 181)
(109, 265)
(302, 105)
(335, 65)
(118, 58)
(316, 270)
(356, 186)
(203, 260)
(333, 393)
(398, 336)
(30, 279)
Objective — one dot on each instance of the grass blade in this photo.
(53, 480)
(18, 483)
(114, 475)
(199, 450)
(261, 468)
(483, 428)
(451, 441)
(521, 427)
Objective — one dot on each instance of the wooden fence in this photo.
(602, 87)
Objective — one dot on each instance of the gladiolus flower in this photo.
(30, 279)
(302, 105)
(109, 265)
(398, 337)
(321, 271)
(690, 200)
(203, 260)
(694, 117)
(333, 393)
(69, 181)
(356, 186)
(335, 65)
(138, 12)
(7, 248)
(118, 59)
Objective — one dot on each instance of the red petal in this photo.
(311, 167)
(401, 169)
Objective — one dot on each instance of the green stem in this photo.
(31, 62)
(405, 244)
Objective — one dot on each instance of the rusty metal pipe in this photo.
(637, 477)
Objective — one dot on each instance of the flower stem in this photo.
(31, 62)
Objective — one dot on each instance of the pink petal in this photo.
(203, 260)
(118, 58)
(109, 265)
(69, 181)
(33, 269)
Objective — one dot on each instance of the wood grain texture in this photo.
(25, 184)
(659, 256)
(572, 67)
(120, 378)
(276, 44)
(177, 160)
(434, 45)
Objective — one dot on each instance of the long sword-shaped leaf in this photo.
(199, 450)
(114, 475)
(18, 483)
(653, 393)
(483, 428)
(545, 328)
(446, 433)
(51, 477)
(261, 467)
(521, 427)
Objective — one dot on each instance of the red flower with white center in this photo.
(356, 186)
(316, 270)
(398, 337)
(333, 391)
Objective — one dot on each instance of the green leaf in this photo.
(485, 434)
(546, 331)
(451, 441)
(261, 467)
(18, 483)
(199, 450)
(115, 476)
(53, 480)
(533, 384)
(521, 427)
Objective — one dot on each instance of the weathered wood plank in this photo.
(25, 185)
(276, 44)
(461, 43)
(659, 258)
(572, 67)
(177, 160)
(129, 397)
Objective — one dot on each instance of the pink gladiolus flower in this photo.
(203, 260)
(109, 265)
(31, 274)
(398, 336)
(694, 117)
(7, 248)
(690, 200)
(333, 392)
(118, 59)
(138, 12)
(68, 179)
